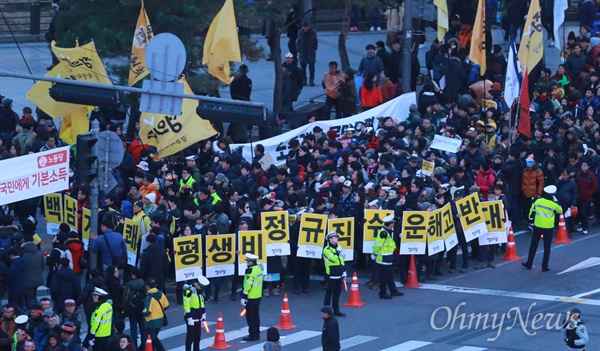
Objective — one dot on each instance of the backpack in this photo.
(135, 301)
(64, 254)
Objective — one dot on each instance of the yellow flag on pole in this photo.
(79, 63)
(142, 36)
(531, 49)
(477, 52)
(74, 124)
(442, 18)
(171, 134)
(222, 43)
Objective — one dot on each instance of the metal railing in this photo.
(24, 17)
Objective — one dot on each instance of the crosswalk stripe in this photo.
(470, 348)
(408, 346)
(287, 340)
(230, 335)
(352, 341)
(164, 333)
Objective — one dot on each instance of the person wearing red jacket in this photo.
(587, 185)
(484, 180)
(370, 92)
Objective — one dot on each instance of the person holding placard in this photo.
(335, 271)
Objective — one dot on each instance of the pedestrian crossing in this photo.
(304, 340)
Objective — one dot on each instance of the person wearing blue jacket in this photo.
(566, 195)
(114, 239)
(16, 281)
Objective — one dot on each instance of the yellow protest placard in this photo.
(427, 168)
(70, 212)
(220, 255)
(471, 217)
(414, 232)
(372, 226)
(252, 241)
(53, 212)
(275, 224)
(188, 257)
(450, 237)
(435, 233)
(493, 212)
(132, 236)
(85, 226)
(312, 235)
(345, 229)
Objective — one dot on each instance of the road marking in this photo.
(513, 294)
(287, 340)
(408, 346)
(590, 262)
(353, 341)
(470, 348)
(585, 294)
(206, 342)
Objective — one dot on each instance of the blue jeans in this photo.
(134, 322)
(375, 18)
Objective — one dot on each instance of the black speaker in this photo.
(223, 112)
(84, 95)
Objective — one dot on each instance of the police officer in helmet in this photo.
(335, 271)
(383, 252)
(251, 296)
(194, 311)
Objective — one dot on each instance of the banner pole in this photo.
(94, 194)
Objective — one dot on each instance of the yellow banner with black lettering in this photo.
(220, 255)
(471, 216)
(531, 49)
(141, 38)
(275, 224)
(435, 233)
(79, 63)
(171, 134)
(372, 226)
(493, 212)
(74, 124)
(427, 168)
(86, 213)
(188, 257)
(414, 232)
(70, 213)
(255, 242)
(450, 236)
(133, 237)
(345, 229)
(53, 212)
(311, 239)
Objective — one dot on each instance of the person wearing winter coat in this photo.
(85, 296)
(273, 343)
(566, 196)
(75, 246)
(330, 337)
(307, 44)
(65, 284)
(370, 63)
(16, 281)
(532, 183)
(34, 271)
(456, 78)
(370, 92)
(154, 263)
(115, 290)
(154, 312)
(59, 250)
(347, 99)
(484, 180)
(586, 189)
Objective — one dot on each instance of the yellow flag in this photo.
(79, 63)
(531, 49)
(74, 124)
(442, 15)
(477, 53)
(142, 36)
(222, 43)
(171, 134)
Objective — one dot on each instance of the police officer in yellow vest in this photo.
(383, 250)
(194, 312)
(543, 210)
(101, 322)
(251, 295)
(335, 271)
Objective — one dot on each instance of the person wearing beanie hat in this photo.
(574, 331)
(273, 343)
(330, 337)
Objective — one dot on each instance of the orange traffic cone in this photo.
(411, 281)
(562, 237)
(149, 346)
(220, 343)
(511, 248)
(285, 320)
(354, 300)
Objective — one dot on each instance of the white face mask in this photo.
(71, 174)
(198, 226)
(272, 187)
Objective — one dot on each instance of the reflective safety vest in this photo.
(253, 282)
(384, 247)
(193, 304)
(334, 261)
(101, 323)
(545, 211)
(189, 182)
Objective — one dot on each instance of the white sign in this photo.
(277, 146)
(34, 175)
(443, 143)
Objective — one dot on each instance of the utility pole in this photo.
(406, 46)
(94, 194)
